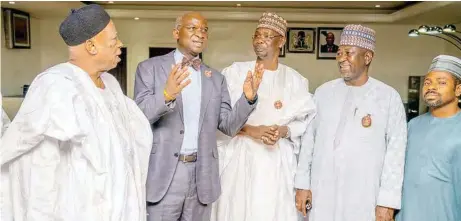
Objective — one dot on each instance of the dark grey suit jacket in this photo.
(168, 126)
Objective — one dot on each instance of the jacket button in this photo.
(176, 154)
(181, 132)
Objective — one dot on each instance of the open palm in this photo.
(252, 82)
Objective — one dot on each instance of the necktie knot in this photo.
(194, 63)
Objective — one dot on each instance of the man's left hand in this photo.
(384, 213)
(279, 132)
(252, 82)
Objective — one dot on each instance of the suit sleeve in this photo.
(390, 190)
(231, 120)
(149, 101)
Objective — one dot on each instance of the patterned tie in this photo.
(194, 63)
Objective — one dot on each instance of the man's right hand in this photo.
(302, 196)
(174, 83)
(262, 132)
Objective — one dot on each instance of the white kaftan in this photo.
(75, 152)
(354, 167)
(5, 202)
(256, 179)
(5, 122)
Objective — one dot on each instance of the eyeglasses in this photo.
(193, 29)
(265, 37)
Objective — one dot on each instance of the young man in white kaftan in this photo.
(78, 148)
(432, 183)
(257, 166)
(352, 156)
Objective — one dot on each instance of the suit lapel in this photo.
(207, 92)
(168, 62)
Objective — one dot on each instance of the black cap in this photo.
(83, 24)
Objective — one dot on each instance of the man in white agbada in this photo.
(257, 166)
(4, 120)
(352, 157)
(78, 148)
(5, 204)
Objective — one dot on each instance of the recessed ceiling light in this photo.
(136, 18)
(377, 6)
(111, 2)
(12, 3)
(238, 5)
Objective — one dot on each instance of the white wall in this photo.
(397, 55)
(452, 50)
(20, 66)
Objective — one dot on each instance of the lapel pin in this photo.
(278, 104)
(208, 73)
(366, 121)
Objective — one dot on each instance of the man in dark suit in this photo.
(187, 102)
(330, 46)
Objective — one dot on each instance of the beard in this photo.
(433, 103)
(437, 101)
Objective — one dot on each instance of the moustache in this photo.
(431, 92)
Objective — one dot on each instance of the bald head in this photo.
(188, 15)
(191, 34)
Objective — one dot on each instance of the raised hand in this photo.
(252, 82)
(174, 83)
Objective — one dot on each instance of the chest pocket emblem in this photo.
(366, 121)
(278, 104)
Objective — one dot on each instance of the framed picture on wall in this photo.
(301, 40)
(17, 28)
(282, 51)
(328, 42)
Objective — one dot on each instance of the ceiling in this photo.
(382, 5)
(44, 9)
(399, 12)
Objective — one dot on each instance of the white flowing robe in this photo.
(354, 167)
(5, 204)
(73, 157)
(256, 179)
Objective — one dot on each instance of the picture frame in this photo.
(282, 51)
(17, 28)
(301, 40)
(328, 42)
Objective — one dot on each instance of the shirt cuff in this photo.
(389, 199)
(170, 104)
(302, 182)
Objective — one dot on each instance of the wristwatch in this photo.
(253, 101)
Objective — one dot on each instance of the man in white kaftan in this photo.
(257, 171)
(5, 122)
(78, 148)
(5, 202)
(352, 156)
